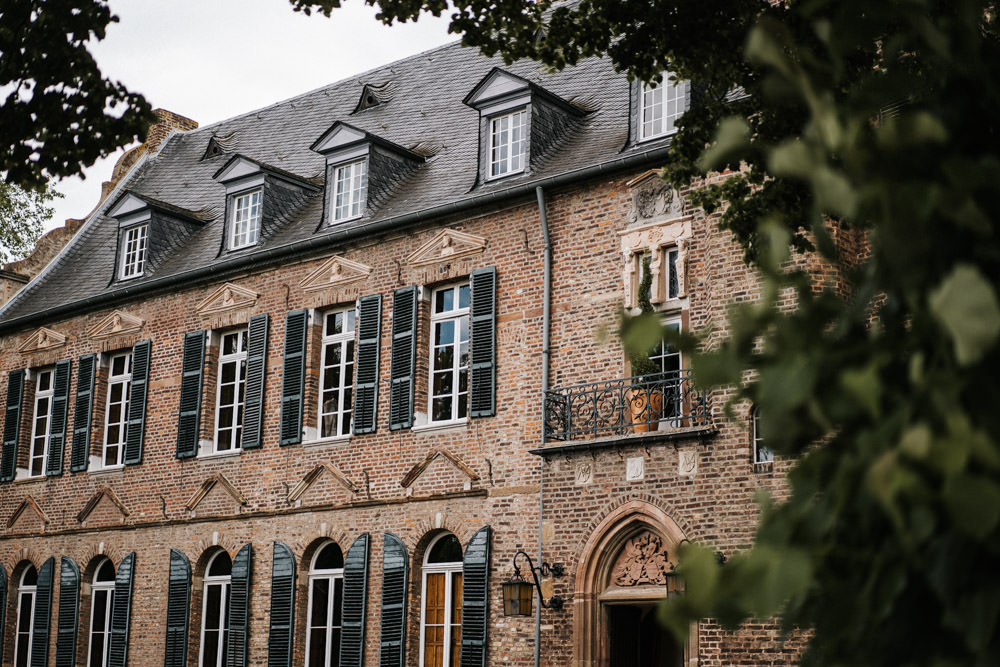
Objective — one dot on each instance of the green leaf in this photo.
(732, 138)
(966, 306)
(973, 503)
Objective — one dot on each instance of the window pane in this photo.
(213, 606)
(320, 601)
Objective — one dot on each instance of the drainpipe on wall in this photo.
(546, 325)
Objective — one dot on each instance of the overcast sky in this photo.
(214, 59)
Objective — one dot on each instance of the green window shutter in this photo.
(42, 616)
(280, 634)
(69, 608)
(121, 610)
(11, 425)
(137, 403)
(3, 605)
(189, 413)
(178, 604)
(404, 357)
(79, 457)
(475, 598)
(253, 410)
(293, 377)
(395, 582)
(366, 367)
(352, 633)
(60, 404)
(483, 331)
(239, 607)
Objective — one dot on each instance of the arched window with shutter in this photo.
(441, 603)
(325, 611)
(215, 611)
(27, 588)
(102, 594)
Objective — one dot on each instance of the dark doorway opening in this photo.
(638, 640)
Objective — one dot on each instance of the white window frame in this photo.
(24, 590)
(239, 358)
(660, 107)
(761, 452)
(350, 190)
(448, 569)
(135, 240)
(223, 581)
(107, 588)
(332, 575)
(41, 441)
(245, 219)
(459, 315)
(505, 154)
(347, 342)
(124, 379)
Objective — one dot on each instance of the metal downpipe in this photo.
(546, 326)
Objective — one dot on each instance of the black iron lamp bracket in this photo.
(545, 570)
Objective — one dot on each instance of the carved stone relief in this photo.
(117, 323)
(335, 272)
(227, 297)
(653, 197)
(643, 560)
(447, 245)
(42, 339)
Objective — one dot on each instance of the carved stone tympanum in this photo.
(642, 561)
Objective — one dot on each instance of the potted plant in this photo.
(645, 398)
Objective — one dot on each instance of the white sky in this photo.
(214, 59)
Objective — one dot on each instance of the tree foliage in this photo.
(22, 216)
(57, 111)
(882, 117)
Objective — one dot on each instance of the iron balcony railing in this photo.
(659, 402)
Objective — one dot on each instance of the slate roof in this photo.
(425, 114)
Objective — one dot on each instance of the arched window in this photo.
(102, 592)
(26, 589)
(761, 452)
(215, 611)
(441, 608)
(326, 593)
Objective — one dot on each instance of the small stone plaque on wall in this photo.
(584, 473)
(635, 469)
(687, 462)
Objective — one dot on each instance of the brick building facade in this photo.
(287, 398)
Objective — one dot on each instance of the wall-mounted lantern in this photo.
(518, 593)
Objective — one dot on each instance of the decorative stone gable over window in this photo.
(42, 339)
(229, 304)
(117, 323)
(519, 123)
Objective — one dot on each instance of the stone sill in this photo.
(631, 439)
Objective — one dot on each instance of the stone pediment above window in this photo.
(42, 339)
(447, 245)
(27, 518)
(104, 507)
(311, 479)
(520, 123)
(216, 495)
(117, 323)
(226, 298)
(335, 272)
(454, 472)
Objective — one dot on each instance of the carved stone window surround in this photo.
(655, 238)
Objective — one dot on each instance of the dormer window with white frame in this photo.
(661, 106)
(246, 216)
(134, 251)
(508, 143)
(350, 190)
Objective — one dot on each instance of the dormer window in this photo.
(660, 107)
(246, 220)
(507, 144)
(351, 190)
(134, 251)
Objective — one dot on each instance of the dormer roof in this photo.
(240, 167)
(500, 87)
(341, 137)
(128, 203)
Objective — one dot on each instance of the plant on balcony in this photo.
(645, 397)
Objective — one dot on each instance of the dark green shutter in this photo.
(253, 410)
(189, 414)
(79, 457)
(404, 357)
(121, 610)
(69, 609)
(178, 604)
(42, 615)
(395, 580)
(475, 598)
(239, 607)
(60, 405)
(3, 605)
(366, 368)
(137, 403)
(293, 377)
(11, 425)
(280, 635)
(352, 632)
(483, 331)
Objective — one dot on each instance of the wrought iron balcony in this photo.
(659, 402)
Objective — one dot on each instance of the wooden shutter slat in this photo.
(366, 373)
(475, 598)
(482, 328)
(280, 635)
(121, 610)
(239, 607)
(404, 357)
(11, 425)
(69, 608)
(60, 405)
(253, 409)
(293, 377)
(178, 605)
(137, 403)
(42, 616)
(395, 582)
(79, 457)
(189, 413)
(352, 633)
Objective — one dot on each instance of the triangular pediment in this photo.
(236, 167)
(313, 476)
(497, 83)
(106, 497)
(335, 272)
(447, 245)
(339, 135)
(436, 454)
(27, 517)
(42, 339)
(227, 297)
(219, 485)
(127, 203)
(117, 323)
